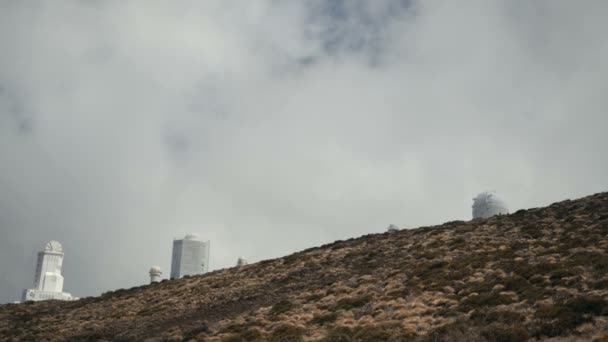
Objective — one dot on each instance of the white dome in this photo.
(192, 236)
(392, 228)
(488, 204)
(53, 246)
(155, 270)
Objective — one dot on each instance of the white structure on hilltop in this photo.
(190, 256)
(488, 204)
(241, 262)
(392, 228)
(155, 274)
(48, 282)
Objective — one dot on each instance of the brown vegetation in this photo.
(533, 275)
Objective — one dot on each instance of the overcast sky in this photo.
(268, 126)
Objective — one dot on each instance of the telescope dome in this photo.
(488, 204)
(192, 236)
(53, 246)
(241, 261)
(392, 228)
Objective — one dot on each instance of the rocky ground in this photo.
(538, 274)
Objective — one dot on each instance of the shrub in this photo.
(202, 328)
(290, 259)
(526, 270)
(287, 333)
(473, 261)
(353, 302)
(314, 297)
(485, 316)
(589, 304)
(537, 279)
(524, 288)
(446, 312)
(339, 334)
(601, 284)
(235, 328)
(532, 231)
(411, 288)
(478, 287)
(464, 229)
(150, 310)
(482, 300)
(232, 338)
(505, 333)
(321, 319)
(603, 338)
(457, 242)
(281, 307)
(23, 317)
(92, 336)
(462, 330)
(455, 331)
(562, 318)
(434, 244)
(598, 261)
(556, 276)
(561, 322)
(429, 271)
(369, 333)
(249, 335)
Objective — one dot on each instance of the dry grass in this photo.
(535, 274)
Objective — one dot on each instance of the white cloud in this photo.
(270, 127)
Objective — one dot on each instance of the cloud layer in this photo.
(269, 127)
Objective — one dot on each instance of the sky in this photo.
(268, 127)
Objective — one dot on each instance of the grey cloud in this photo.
(269, 127)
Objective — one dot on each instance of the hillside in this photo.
(536, 274)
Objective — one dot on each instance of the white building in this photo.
(155, 274)
(392, 228)
(190, 256)
(488, 204)
(48, 282)
(241, 262)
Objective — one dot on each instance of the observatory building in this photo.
(190, 256)
(392, 228)
(488, 204)
(241, 262)
(48, 282)
(155, 274)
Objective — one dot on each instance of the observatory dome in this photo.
(241, 261)
(392, 228)
(53, 246)
(192, 236)
(488, 204)
(155, 269)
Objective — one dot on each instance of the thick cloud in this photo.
(269, 127)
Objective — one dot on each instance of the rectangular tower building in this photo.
(48, 282)
(190, 256)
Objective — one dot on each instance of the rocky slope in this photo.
(536, 274)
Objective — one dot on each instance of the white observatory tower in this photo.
(488, 204)
(190, 256)
(155, 274)
(48, 282)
